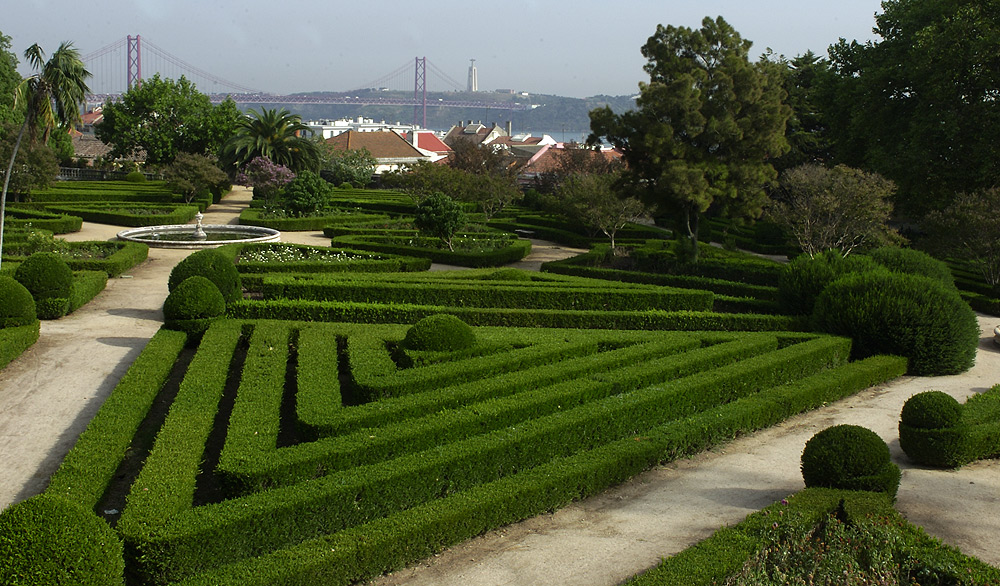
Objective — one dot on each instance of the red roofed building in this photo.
(391, 150)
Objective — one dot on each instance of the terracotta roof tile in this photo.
(382, 145)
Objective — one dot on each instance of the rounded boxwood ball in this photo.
(195, 298)
(917, 317)
(17, 306)
(849, 457)
(931, 410)
(48, 540)
(215, 266)
(439, 333)
(46, 275)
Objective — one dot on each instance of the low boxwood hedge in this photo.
(302, 259)
(366, 550)
(15, 340)
(361, 312)
(18, 217)
(134, 215)
(515, 251)
(252, 217)
(950, 442)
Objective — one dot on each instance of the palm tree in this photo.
(51, 98)
(275, 134)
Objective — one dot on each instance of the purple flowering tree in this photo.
(265, 177)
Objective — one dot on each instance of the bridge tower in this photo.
(134, 62)
(420, 91)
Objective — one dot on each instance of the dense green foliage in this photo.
(913, 262)
(49, 541)
(439, 333)
(277, 135)
(439, 216)
(191, 174)
(213, 265)
(163, 117)
(849, 457)
(354, 166)
(306, 194)
(919, 104)
(16, 339)
(906, 315)
(705, 126)
(965, 230)
(17, 306)
(840, 208)
(936, 430)
(49, 279)
(804, 278)
(931, 410)
(193, 305)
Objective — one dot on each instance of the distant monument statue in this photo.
(473, 77)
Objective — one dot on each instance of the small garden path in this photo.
(50, 393)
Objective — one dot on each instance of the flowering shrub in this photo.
(279, 253)
(266, 177)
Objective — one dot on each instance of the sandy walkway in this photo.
(48, 395)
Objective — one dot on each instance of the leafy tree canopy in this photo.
(275, 134)
(920, 105)
(967, 229)
(35, 167)
(439, 215)
(9, 79)
(191, 174)
(163, 117)
(705, 128)
(354, 166)
(840, 209)
(591, 200)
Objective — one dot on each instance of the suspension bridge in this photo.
(122, 65)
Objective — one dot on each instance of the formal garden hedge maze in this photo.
(332, 452)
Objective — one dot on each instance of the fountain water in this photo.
(201, 236)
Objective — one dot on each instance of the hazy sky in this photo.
(565, 47)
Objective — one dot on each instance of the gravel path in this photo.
(48, 395)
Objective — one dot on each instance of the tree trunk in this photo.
(691, 218)
(6, 183)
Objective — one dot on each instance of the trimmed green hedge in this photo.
(359, 312)
(383, 544)
(514, 252)
(566, 294)
(119, 257)
(117, 216)
(28, 218)
(761, 296)
(15, 340)
(86, 286)
(975, 436)
(353, 261)
(251, 217)
(722, 555)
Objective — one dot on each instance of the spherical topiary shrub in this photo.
(48, 540)
(215, 266)
(508, 274)
(48, 278)
(849, 457)
(929, 430)
(931, 410)
(906, 315)
(136, 177)
(192, 306)
(805, 277)
(913, 262)
(17, 306)
(439, 333)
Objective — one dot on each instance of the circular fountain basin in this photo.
(183, 235)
